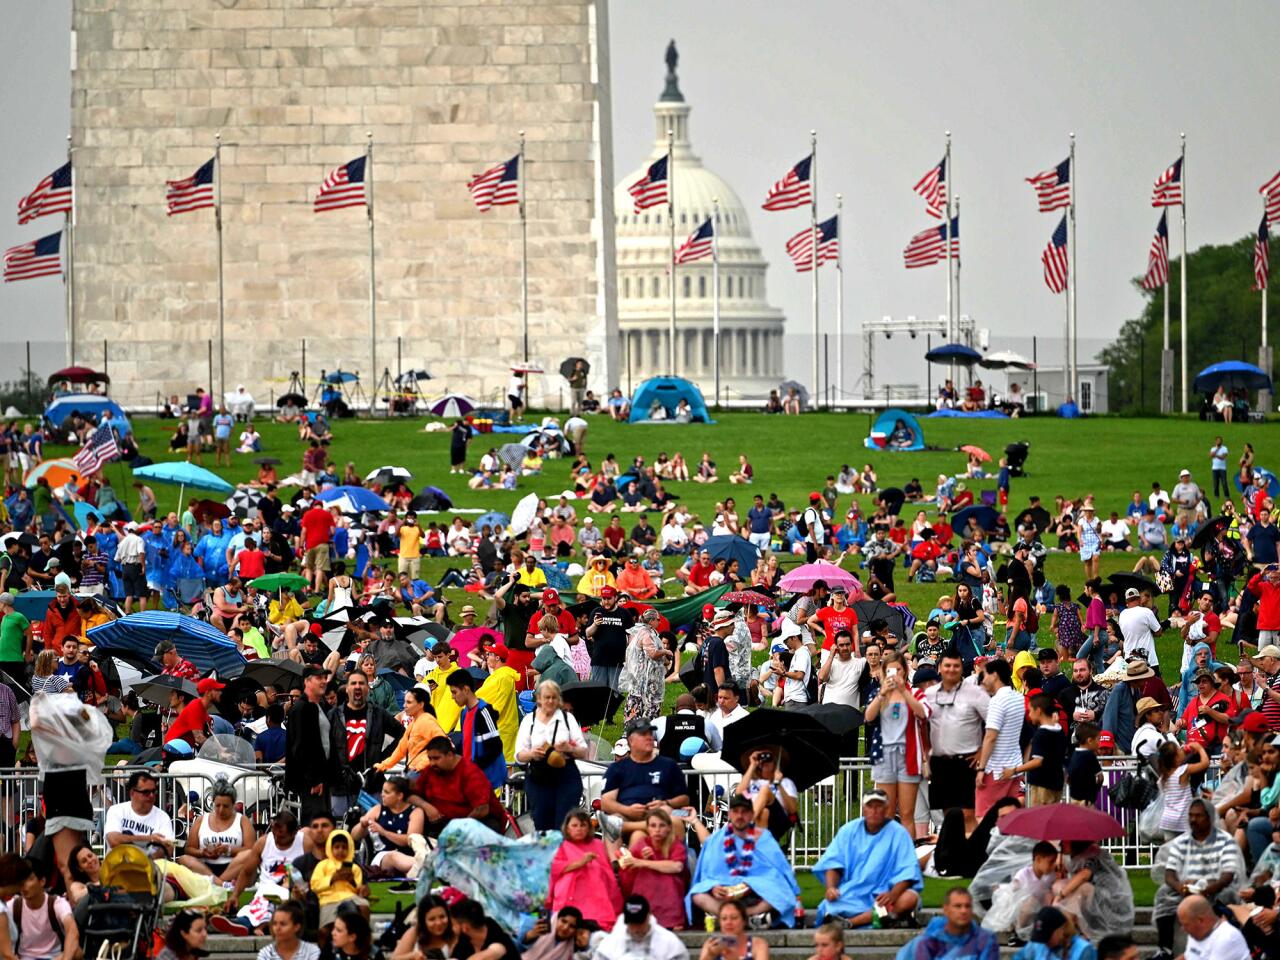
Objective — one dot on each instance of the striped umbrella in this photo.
(196, 640)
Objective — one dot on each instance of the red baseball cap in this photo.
(207, 684)
(315, 629)
(500, 651)
(608, 592)
(708, 611)
(550, 596)
(815, 496)
(1107, 739)
(1254, 722)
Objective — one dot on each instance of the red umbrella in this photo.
(206, 511)
(976, 451)
(750, 597)
(1061, 821)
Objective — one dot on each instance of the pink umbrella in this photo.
(976, 451)
(1061, 821)
(802, 579)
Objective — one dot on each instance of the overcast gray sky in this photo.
(880, 82)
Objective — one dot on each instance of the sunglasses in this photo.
(146, 793)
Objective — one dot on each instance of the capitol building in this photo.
(750, 328)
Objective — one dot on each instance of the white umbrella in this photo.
(1006, 360)
(384, 475)
(522, 516)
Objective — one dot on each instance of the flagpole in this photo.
(71, 259)
(947, 185)
(1182, 275)
(671, 258)
(956, 306)
(839, 298)
(1264, 351)
(373, 286)
(1074, 382)
(813, 235)
(217, 220)
(1166, 354)
(715, 290)
(524, 253)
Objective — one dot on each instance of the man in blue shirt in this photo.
(637, 780)
(1260, 543)
(760, 519)
(268, 746)
(417, 595)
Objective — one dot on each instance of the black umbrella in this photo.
(842, 720)
(567, 366)
(1210, 530)
(271, 673)
(869, 610)
(1126, 580)
(1036, 515)
(158, 688)
(268, 461)
(292, 400)
(587, 701)
(809, 750)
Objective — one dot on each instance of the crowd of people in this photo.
(401, 751)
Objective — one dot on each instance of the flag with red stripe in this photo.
(930, 246)
(1054, 259)
(99, 450)
(1167, 190)
(343, 187)
(1053, 187)
(800, 247)
(499, 186)
(793, 190)
(701, 244)
(51, 195)
(1158, 259)
(651, 189)
(1271, 190)
(192, 193)
(933, 187)
(38, 258)
(1261, 256)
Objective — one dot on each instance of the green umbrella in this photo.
(274, 581)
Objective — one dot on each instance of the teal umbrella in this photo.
(183, 475)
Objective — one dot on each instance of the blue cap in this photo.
(691, 746)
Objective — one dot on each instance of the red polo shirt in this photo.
(456, 794)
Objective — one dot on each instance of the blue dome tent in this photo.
(668, 391)
(895, 430)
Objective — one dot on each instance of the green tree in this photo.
(26, 393)
(1223, 323)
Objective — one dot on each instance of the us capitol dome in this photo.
(750, 328)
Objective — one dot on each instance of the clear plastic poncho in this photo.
(1005, 857)
(68, 735)
(1167, 899)
(1109, 908)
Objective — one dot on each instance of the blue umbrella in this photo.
(1234, 374)
(182, 474)
(87, 403)
(353, 499)
(491, 519)
(953, 353)
(734, 548)
(985, 517)
(341, 376)
(1273, 484)
(557, 579)
(196, 640)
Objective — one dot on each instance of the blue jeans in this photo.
(1258, 834)
(1022, 641)
(1088, 652)
(125, 745)
(552, 795)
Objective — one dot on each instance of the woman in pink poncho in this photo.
(656, 867)
(581, 875)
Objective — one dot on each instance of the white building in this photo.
(1043, 387)
(750, 329)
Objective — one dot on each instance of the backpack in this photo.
(54, 924)
(802, 525)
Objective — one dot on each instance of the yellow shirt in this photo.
(447, 712)
(410, 541)
(279, 615)
(499, 691)
(536, 577)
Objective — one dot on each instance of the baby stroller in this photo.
(124, 910)
(1016, 454)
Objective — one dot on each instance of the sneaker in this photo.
(1161, 954)
(228, 926)
(1015, 940)
(610, 826)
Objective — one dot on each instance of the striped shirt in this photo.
(1193, 859)
(8, 710)
(1005, 714)
(1271, 707)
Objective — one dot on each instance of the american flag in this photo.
(1053, 187)
(498, 186)
(930, 246)
(1261, 256)
(699, 245)
(1158, 258)
(1271, 190)
(800, 247)
(39, 258)
(193, 193)
(651, 189)
(793, 190)
(1167, 191)
(1054, 259)
(343, 187)
(933, 187)
(51, 195)
(100, 449)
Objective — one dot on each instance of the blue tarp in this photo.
(975, 415)
(668, 391)
(895, 430)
